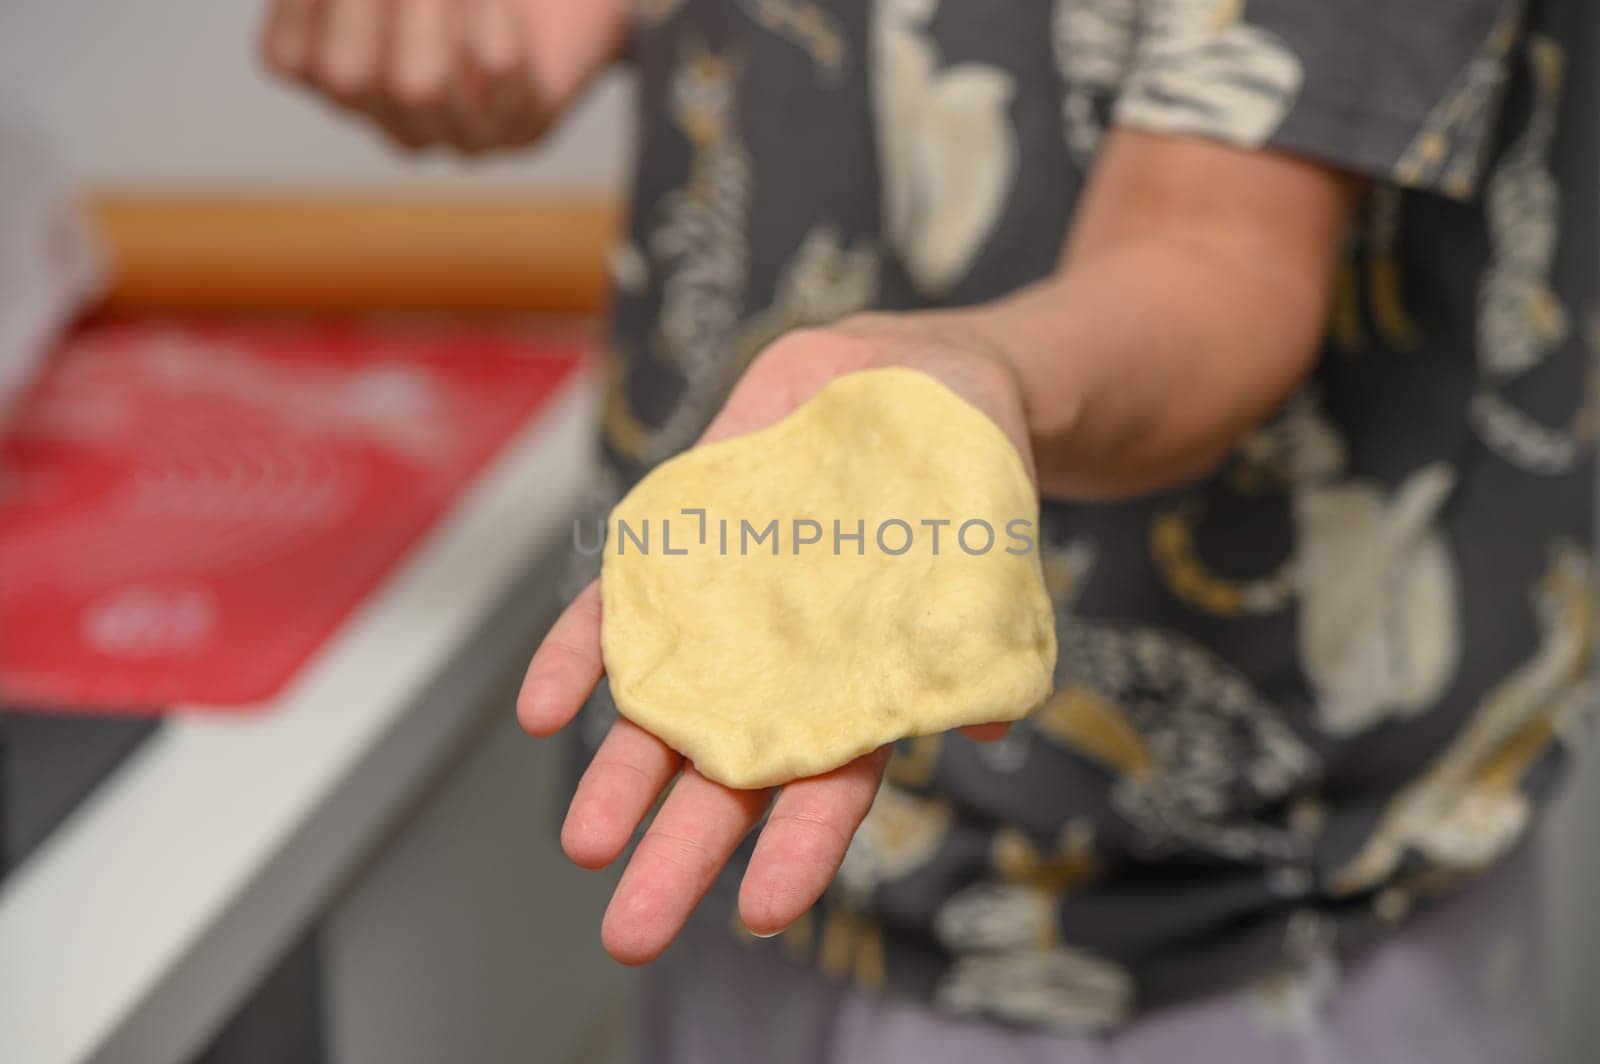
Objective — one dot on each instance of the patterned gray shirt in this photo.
(1294, 701)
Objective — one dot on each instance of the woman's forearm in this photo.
(1190, 302)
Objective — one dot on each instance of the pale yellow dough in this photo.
(762, 669)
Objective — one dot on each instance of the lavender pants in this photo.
(1459, 983)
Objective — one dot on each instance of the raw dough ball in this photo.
(765, 667)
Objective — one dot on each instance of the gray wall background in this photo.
(170, 92)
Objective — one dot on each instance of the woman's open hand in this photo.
(701, 822)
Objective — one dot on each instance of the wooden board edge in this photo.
(208, 252)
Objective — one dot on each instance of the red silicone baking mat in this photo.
(188, 511)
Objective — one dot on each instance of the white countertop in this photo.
(145, 918)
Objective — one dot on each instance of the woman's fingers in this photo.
(492, 39)
(289, 41)
(455, 72)
(803, 842)
(565, 668)
(986, 733)
(629, 771)
(349, 60)
(491, 98)
(675, 863)
(422, 61)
